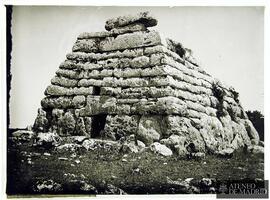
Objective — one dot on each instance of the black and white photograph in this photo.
(134, 100)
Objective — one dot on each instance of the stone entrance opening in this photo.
(98, 125)
(96, 90)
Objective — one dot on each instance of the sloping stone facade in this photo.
(130, 80)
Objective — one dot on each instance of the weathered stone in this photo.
(143, 17)
(150, 129)
(65, 82)
(121, 125)
(78, 101)
(41, 122)
(68, 123)
(57, 102)
(86, 45)
(130, 40)
(54, 90)
(252, 133)
(69, 73)
(68, 148)
(88, 125)
(56, 118)
(48, 140)
(255, 149)
(128, 29)
(80, 128)
(88, 144)
(90, 82)
(47, 186)
(140, 62)
(182, 126)
(87, 35)
(226, 152)
(22, 136)
(110, 91)
(160, 149)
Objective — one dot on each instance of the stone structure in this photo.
(129, 80)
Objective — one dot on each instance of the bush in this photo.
(257, 119)
(235, 94)
(219, 93)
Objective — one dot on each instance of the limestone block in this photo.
(143, 17)
(68, 124)
(110, 91)
(41, 121)
(106, 73)
(156, 59)
(128, 29)
(108, 105)
(55, 90)
(160, 92)
(92, 106)
(196, 106)
(88, 66)
(69, 74)
(67, 64)
(92, 74)
(78, 101)
(251, 131)
(214, 135)
(193, 114)
(140, 62)
(150, 129)
(155, 50)
(145, 107)
(134, 82)
(80, 128)
(128, 92)
(86, 45)
(111, 82)
(127, 101)
(65, 82)
(55, 122)
(121, 125)
(123, 109)
(130, 40)
(161, 81)
(128, 73)
(131, 53)
(81, 56)
(90, 82)
(160, 149)
(82, 91)
(182, 126)
(57, 102)
(171, 105)
(90, 35)
(154, 71)
(88, 125)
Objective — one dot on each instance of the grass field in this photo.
(140, 173)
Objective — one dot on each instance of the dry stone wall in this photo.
(129, 80)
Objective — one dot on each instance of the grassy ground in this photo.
(139, 173)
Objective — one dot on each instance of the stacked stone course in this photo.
(129, 80)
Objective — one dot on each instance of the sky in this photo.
(227, 41)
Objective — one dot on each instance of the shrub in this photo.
(257, 119)
(219, 93)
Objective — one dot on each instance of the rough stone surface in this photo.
(160, 149)
(131, 81)
(143, 17)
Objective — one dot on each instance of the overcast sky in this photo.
(228, 42)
